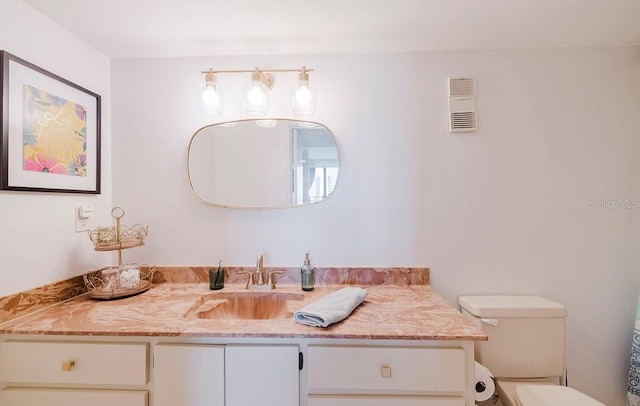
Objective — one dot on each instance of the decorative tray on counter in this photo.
(115, 282)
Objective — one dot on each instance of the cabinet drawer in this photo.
(383, 370)
(382, 401)
(93, 363)
(69, 397)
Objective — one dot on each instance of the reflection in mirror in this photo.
(263, 164)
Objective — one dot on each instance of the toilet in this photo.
(525, 350)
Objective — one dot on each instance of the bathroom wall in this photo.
(38, 242)
(528, 204)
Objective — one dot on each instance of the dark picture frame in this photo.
(50, 139)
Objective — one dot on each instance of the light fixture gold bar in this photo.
(253, 70)
(286, 70)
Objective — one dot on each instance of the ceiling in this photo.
(174, 28)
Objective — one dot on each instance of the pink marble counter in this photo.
(408, 311)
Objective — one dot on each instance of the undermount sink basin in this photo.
(244, 305)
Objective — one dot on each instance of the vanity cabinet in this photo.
(262, 375)
(225, 375)
(188, 375)
(67, 397)
(234, 371)
(382, 401)
(47, 373)
(236, 374)
(372, 375)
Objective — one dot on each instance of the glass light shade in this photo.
(303, 98)
(266, 123)
(256, 101)
(307, 124)
(211, 100)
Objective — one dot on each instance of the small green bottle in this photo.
(307, 274)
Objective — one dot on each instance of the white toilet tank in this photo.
(526, 334)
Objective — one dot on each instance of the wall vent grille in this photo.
(465, 121)
(462, 87)
(462, 105)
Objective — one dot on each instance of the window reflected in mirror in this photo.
(315, 160)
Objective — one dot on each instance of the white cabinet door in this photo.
(189, 375)
(262, 375)
(71, 397)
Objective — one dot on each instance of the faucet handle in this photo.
(272, 278)
(251, 280)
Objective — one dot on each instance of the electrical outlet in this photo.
(81, 225)
(83, 214)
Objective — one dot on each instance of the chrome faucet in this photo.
(258, 279)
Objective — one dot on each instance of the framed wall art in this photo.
(50, 131)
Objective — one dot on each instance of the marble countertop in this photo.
(390, 311)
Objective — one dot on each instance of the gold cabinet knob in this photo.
(385, 371)
(68, 366)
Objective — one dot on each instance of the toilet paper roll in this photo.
(484, 384)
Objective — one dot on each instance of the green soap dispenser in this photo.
(307, 274)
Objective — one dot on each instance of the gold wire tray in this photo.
(109, 283)
(118, 237)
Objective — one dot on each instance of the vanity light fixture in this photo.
(256, 96)
(307, 124)
(211, 97)
(266, 123)
(304, 95)
(256, 100)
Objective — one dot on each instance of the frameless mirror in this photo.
(263, 164)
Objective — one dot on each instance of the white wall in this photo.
(38, 242)
(503, 210)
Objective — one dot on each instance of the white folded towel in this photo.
(332, 308)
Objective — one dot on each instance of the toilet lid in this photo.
(552, 395)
